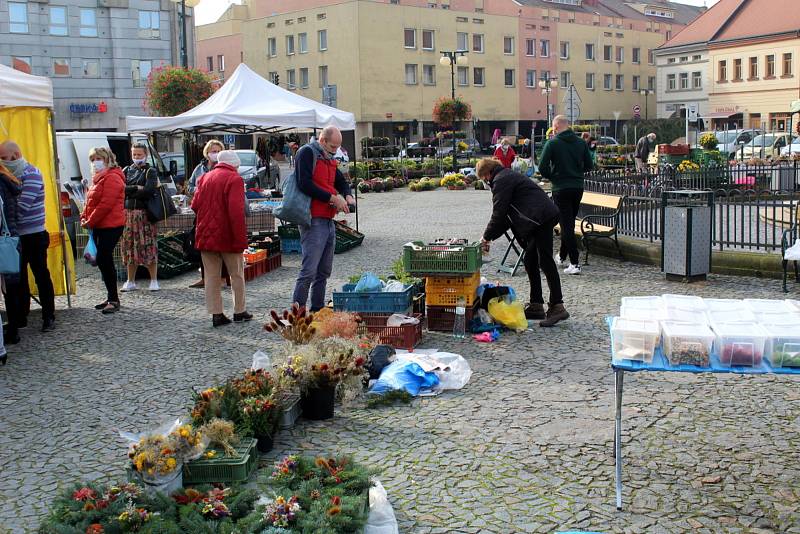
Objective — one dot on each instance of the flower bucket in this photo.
(167, 484)
(318, 403)
(265, 443)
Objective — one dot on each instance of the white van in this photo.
(75, 172)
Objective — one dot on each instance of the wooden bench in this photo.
(598, 218)
(788, 239)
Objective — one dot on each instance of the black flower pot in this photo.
(318, 403)
(264, 443)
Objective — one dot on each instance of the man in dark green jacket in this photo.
(564, 160)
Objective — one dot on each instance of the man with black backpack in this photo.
(318, 177)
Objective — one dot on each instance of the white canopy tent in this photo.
(247, 103)
(18, 89)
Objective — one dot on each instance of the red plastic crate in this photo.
(400, 337)
(254, 270)
(673, 150)
(273, 262)
(442, 318)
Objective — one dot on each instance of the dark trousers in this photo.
(568, 202)
(33, 253)
(105, 239)
(539, 255)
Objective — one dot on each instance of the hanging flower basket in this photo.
(448, 111)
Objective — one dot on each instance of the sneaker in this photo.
(572, 269)
(154, 285)
(555, 314)
(241, 317)
(559, 261)
(534, 311)
(128, 286)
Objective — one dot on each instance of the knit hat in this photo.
(230, 157)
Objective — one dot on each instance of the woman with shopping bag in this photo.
(104, 216)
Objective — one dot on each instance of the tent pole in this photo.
(355, 162)
(62, 229)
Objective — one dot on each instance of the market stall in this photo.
(26, 117)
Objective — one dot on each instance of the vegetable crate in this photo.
(421, 259)
(289, 231)
(443, 318)
(268, 241)
(346, 238)
(254, 270)
(373, 301)
(447, 290)
(222, 468)
(404, 337)
(254, 257)
(290, 245)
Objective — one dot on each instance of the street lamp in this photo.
(184, 41)
(453, 58)
(645, 93)
(547, 84)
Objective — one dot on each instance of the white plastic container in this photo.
(684, 302)
(724, 304)
(634, 339)
(735, 315)
(684, 315)
(739, 343)
(768, 306)
(642, 314)
(687, 343)
(779, 318)
(783, 345)
(643, 302)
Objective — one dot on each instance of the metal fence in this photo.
(753, 205)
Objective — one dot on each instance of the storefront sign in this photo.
(727, 109)
(88, 108)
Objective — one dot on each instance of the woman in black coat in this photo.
(519, 205)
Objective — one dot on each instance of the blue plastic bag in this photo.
(408, 376)
(90, 251)
(368, 283)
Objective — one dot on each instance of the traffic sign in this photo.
(572, 112)
(571, 95)
(692, 112)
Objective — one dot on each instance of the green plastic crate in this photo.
(421, 259)
(289, 231)
(222, 468)
(346, 238)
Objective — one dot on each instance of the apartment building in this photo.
(98, 53)
(381, 59)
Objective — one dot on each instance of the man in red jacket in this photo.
(221, 234)
(330, 193)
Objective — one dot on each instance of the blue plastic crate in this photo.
(378, 302)
(289, 245)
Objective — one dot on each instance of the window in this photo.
(607, 82)
(221, 63)
(651, 57)
(140, 70)
(58, 20)
(722, 71)
(620, 54)
(590, 81)
(302, 43)
(669, 35)
(620, 86)
(60, 66)
(289, 45)
(589, 51)
(291, 82)
(462, 75)
(697, 80)
(272, 47)
(671, 60)
(636, 83)
(304, 78)
(477, 76)
(461, 41)
(545, 75)
(429, 75)
(696, 58)
(210, 63)
(530, 78)
(684, 77)
(322, 39)
(651, 83)
(787, 64)
(323, 76)
(544, 48)
(273, 77)
(18, 17)
(684, 59)
(753, 68)
(509, 77)
(320, 16)
(770, 65)
(411, 74)
(410, 38)
(91, 68)
(301, 20)
(89, 23)
(427, 40)
(564, 49)
(565, 79)
(671, 86)
(636, 55)
(607, 51)
(149, 23)
(477, 43)
(530, 47)
(508, 45)
(737, 70)
(22, 64)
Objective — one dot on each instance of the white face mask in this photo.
(98, 165)
(139, 161)
(212, 156)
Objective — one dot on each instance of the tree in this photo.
(448, 111)
(173, 90)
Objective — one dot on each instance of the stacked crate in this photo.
(452, 272)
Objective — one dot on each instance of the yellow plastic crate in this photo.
(447, 290)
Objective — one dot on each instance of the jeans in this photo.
(317, 243)
(539, 255)
(568, 202)
(106, 239)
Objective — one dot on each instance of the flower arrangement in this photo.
(173, 90)
(261, 414)
(447, 111)
(158, 455)
(329, 323)
(688, 166)
(281, 512)
(328, 362)
(222, 434)
(451, 179)
(708, 141)
(293, 325)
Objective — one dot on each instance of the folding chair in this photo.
(520, 252)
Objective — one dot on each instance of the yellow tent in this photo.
(26, 116)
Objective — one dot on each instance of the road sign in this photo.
(573, 112)
(692, 112)
(571, 95)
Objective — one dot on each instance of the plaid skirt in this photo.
(138, 243)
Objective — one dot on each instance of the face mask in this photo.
(139, 161)
(212, 156)
(16, 166)
(98, 165)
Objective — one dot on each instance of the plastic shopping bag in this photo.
(381, 514)
(90, 251)
(793, 253)
(404, 375)
(368, 283)
(261, 361)
(509, 313)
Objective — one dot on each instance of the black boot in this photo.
(219, 319)
(241, 317)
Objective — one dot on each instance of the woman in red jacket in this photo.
(505, 154)
(221, 234)
(104, 215)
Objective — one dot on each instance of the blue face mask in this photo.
(16, 166)
(139, 161)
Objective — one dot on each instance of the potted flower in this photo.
(708, 141)
(262, 415)
(158, 458)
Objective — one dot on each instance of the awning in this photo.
(720, 115)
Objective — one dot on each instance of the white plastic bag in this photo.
(398, 319)
(452, 370)
(261, 361)
(793, 253)
(381, 514)
(394, 286)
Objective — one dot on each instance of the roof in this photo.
(18, 89)
(684, 13)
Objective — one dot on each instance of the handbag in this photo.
(160, 206)
(9, 253)
(296, 205)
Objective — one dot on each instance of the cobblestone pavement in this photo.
(525, 447)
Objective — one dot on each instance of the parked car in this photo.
(794, 148)
(731, 141)
(251, 169)
(180, 162)
(607, 141)
(765, 146)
